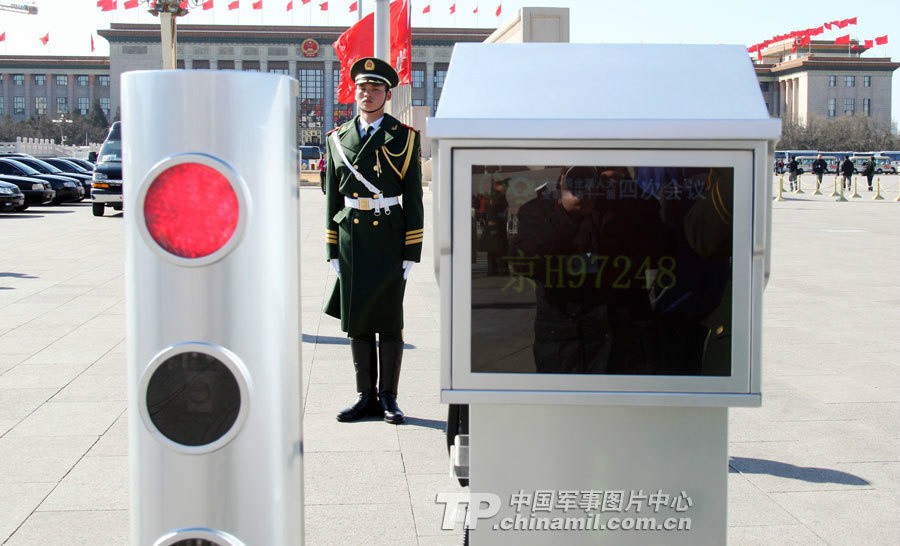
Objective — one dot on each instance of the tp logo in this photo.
(467, 508)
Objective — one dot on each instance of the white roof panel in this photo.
(562, 90)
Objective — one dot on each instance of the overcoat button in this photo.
(356, 220)
(375, 223)
(355, 194)
(719, 330)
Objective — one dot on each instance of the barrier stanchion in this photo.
(818, 186)
(835, 192)
(841, 195)
(799, 189)
(878, 196)
(856, 194)
(781, 189)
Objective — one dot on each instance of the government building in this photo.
(820, 80)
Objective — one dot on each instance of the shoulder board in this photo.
(408, 127)
(333, 130)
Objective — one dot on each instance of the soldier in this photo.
(371, 241)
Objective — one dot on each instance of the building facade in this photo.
(820, 80)
(824, 80)
(58, 87)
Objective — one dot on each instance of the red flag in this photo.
(92, 43)
(851, 21)
(305, 2)
(207, 4)
(130, 4)
(45, 38)
(354, 6)
(842, 40)
(827, 26)
(3, 37)
(235, 4)
(475, 11)
(759, 55)
(452, 8)
(323, 6)
(881, 40)
(499, 9)
(426, 9)
(358, 41)
(816, 31)
(753, 48)
(257, 4)
(290, 6)
(842, 23)
(106, 5)
(869, 44)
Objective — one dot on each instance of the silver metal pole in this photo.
(383, 30)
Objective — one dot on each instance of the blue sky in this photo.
(71, 22)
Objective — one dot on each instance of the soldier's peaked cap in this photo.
(374, 70)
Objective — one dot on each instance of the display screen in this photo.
(594, 269)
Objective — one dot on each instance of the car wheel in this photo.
(97, 209)
(22, 208)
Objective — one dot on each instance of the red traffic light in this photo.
(191, 210)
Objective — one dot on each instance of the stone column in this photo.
(328, 98)
(429, 86)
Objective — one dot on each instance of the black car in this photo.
(35, 190)
(67, 189)
(85, 164)
(11, 197)
(42, 166)
(69, 166)
(108, 172)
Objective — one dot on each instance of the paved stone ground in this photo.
(819, 463)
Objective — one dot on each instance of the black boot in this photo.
(366, 365)
(390, 354)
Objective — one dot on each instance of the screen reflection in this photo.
(602, 269)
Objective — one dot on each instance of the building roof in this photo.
(121, 32)
(23, 62)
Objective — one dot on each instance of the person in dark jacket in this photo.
(819, 167)
(371, 240)
(846, 172)
(869, 171)
(793, 172)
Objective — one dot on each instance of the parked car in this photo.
(36, 191)
(11, 197)
(88, 166)
(42, 166)
(108, 172)
(67, 189)
(67, 166)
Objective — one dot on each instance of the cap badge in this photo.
(370, 65)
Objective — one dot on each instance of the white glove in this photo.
(407, 268)
(336, 265)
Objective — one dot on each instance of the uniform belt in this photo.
(364, 203)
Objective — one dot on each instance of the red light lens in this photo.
(191, 210)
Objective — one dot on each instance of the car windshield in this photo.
(110, 151)
(66, 166)
(28, 171)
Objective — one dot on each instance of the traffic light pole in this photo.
(168, 10)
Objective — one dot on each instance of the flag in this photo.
(881, 40)
(475, 11)
(92, 43)
(207, 4)
(869, 44)
(354, 6)
(759, 55)
(358, 42)
(842, 23)
(426, 9)
(305, 2)
(257, 4)
(183, 4)
(851, 21)
(842, 40)
(753, 48)
(130, 4)
(452, 8)
(235, 4)
(290, 6)
(106, 5)
(45, 38)
(827, 26)
(324, 6)
(3, 37)
(499, 9)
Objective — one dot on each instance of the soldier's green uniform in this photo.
(372, 229)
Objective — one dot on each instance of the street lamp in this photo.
(62, 119)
